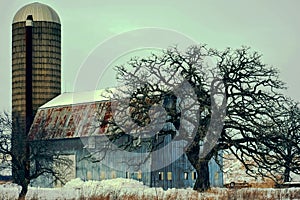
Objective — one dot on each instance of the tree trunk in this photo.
(288, 161)
(24, 174)
(202, 181)
(200, 165)
(24, 190)
(286, 174)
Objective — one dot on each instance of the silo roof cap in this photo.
(39, 12)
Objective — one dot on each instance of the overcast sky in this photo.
(105, 32)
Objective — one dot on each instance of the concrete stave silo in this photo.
(46, 57)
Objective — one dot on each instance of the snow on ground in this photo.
(114, 188)
(127, 189)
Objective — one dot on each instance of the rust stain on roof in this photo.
(71, 121)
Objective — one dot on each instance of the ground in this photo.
(133, 190)
(127, 189)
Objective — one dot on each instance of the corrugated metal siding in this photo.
(117, 164)
(215, 172)
(173, 152)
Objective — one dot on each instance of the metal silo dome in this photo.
(39, 12)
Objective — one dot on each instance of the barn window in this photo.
(194, 175)
(186, 175)
(89, 175)
(139, 175)
(160, 176)
(102, 175)
(113, 174)
(169, 176)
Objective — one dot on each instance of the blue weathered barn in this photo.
(76, 125)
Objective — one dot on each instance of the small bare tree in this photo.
(38, 159)
(278, 149)
(5, 144)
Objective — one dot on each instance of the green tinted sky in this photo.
(270, 27)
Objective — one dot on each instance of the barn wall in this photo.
(69, 148)
(117, 164)
(180, 173)
(113, 166)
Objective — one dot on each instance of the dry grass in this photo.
(217, 193)
(268, 183)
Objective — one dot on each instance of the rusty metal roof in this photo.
(72, 115)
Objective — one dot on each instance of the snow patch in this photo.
(120, 188)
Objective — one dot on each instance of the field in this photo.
(126, 189)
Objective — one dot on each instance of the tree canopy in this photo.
(226, 100)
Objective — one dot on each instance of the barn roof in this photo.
(72, 98)
(71, 115)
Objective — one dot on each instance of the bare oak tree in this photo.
(235, 99)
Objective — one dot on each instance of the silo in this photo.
(36, 66)
(45, 57)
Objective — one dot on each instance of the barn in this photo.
(75, 124)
